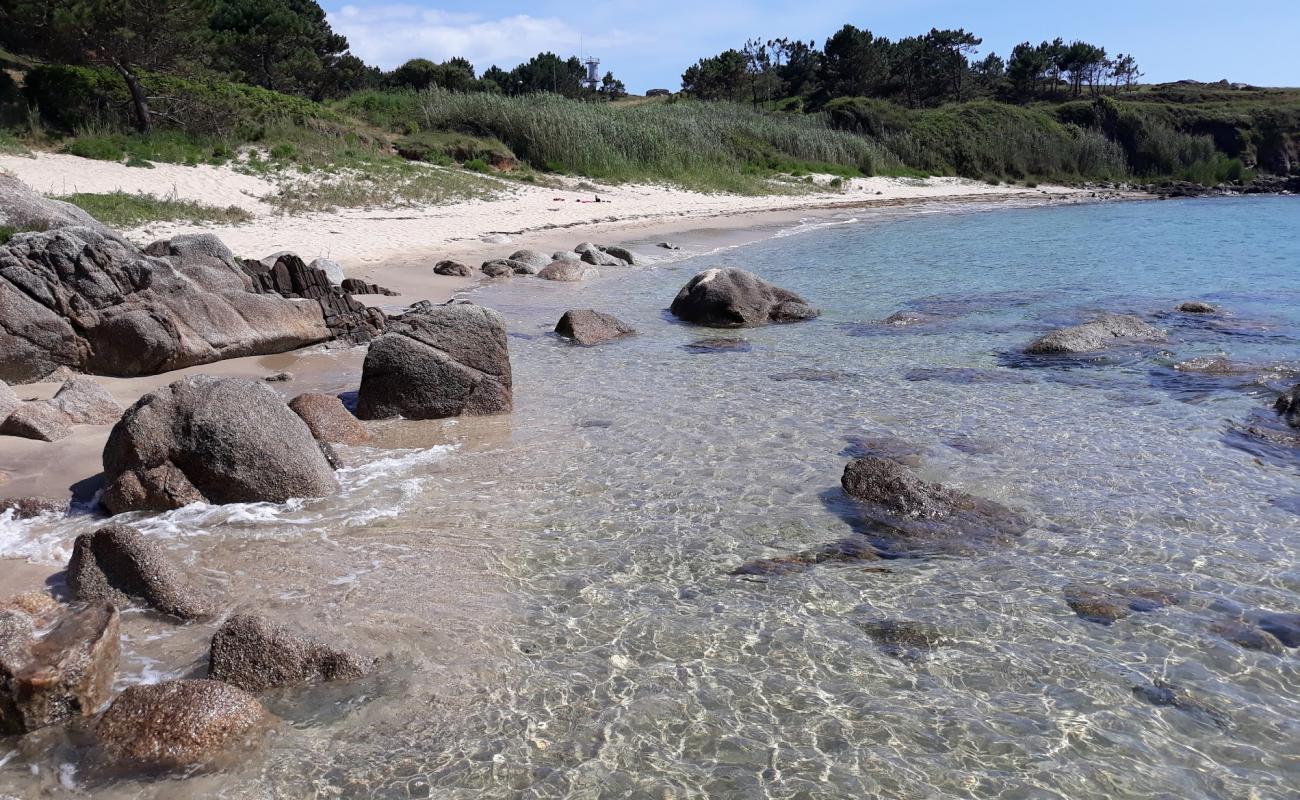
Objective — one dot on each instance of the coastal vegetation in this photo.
(125, 210)
(268, 86)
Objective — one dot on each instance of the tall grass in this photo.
(124, 210)
(713, 146)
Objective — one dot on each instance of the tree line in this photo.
(284, 45)
(916, 71)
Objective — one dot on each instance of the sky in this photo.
(649, 44)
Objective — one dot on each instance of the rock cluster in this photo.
(438, 361)
(215, 440)
(346, 318)
(726, 297)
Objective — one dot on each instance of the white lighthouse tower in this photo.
(593, 72)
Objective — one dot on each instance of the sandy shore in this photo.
(398, 247)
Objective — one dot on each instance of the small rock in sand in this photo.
(279, 377)
(39, 420)
(453, 268)
(86, 402)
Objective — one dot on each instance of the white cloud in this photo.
(389, 35)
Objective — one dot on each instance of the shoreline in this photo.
(72, 465)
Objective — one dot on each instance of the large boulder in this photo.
(589, 327)
(915, 510)
(37, 419)
(1096, 334)
(204, 259)
(726, 297)
(119, 564)
(66, 673)
(567, 271)
(255, 654)
(85, 402)
(328, 419)
(533, 258)
(332, 269)
(180, 724)
(453, 268)
(217, 440)
(438, 361)
(79, 298)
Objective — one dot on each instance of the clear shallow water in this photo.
(554, 586)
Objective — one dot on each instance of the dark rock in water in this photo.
(64, 674)
(444, 361)
(119, 564)
(1286, 627)
(884, 445)
(567, 272)
(38, 419)
(961, 303)
(848, 550)
(973, 445)
(589, 327)
(453, 268)
(814, 375)
(255, 654)
(497, 268)
(906, 319)
(215, 440)
(621, 253)
(919, 511)
(31, 506)
(1247, 636)
(279, 377)
(720, 345)
(964, 376)
(903, 638)
(328, 419)
(725, 297)
(180, 724)
(1288, 405)
(1197, 307)
(1098, 334)
(358, 286)
(1106, 605)
(596, 423)
(1161, 693)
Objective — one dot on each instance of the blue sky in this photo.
(648, 44)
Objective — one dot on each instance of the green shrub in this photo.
(6, 233)
(477, 165)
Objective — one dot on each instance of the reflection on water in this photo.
(556, 588)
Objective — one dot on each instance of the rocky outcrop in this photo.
(289, 277)
(37, 419)
(919, 511)
(453, 268)
(1098, 334)
(589, 327)
(215, 440)
(66, 673)
(438, 361)
(328, 419)
(120, 565)
(76, 297)
(30, 506)
(1288, 405)
(25, 210)
(358, 286)
(567, 271)
(180, 724)
(726, 297)
(255, 654)
(85, 402)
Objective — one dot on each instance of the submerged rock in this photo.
(441, 361)
(453, 268)
(86, 402)
(848, 550)
(589, 327)
(1197, 307)
(32, 506)
(806, 374)
(1162, 693)
(255, 654)
(1288, 405)
(39, 420)
(1097, 334)
(884, 445)
(328, 419)
(66, 673)
(903, 638)
(1247, 636)
(965, 376)
(1107, 605)
(567, 271)
(214, 440)
(906, 319)
(180, 724)
(726, 297)
(917, 511)
(119, 564)
(719, 345)
(1286, 627)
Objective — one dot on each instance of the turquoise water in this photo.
(603, 647)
